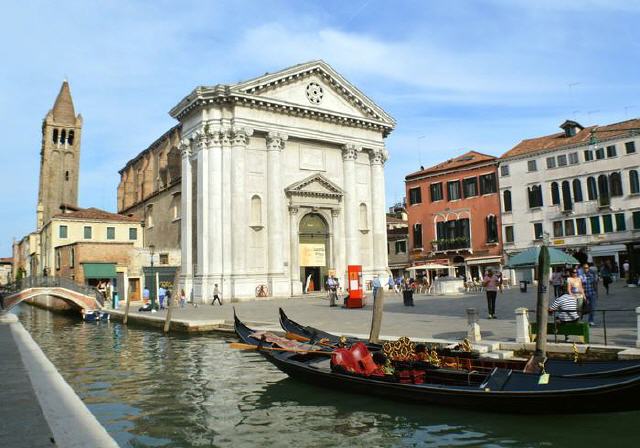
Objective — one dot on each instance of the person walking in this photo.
(183, 298)
(332, 286)
(626, 271)
(398, 285)
(491, 285)
(407, 292)
(590, 287)
(376, 284)
(605, 273)
(556, 281)
(161, 294)
(145, 295)
(216, 295)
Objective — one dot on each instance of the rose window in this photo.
(314, 93)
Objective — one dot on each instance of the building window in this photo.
(58, 259)
(567, 205)
(415, 196)
(256, 211)
(111, 233)
(488, 184)
(592, 189)
(401, 247)
(492, 229)
(615, 179)
(595, 225)
(149, 222)
(607, 222)
(573, 158)
(66, 175)
(72, 257)
(70, 138)
(551, 162)
(557, 228)
(453, 234)
(436, 192)
(508, 234)
(504, 170)
(611, 151)
(634, 185)
(417, 236)
(164, 258)
(577, 190)
(470, 187)
(630, 147)
(453, 190)
(562, 160)
(63, 231)
(599, 153)
(621, 225)
(507, 200)
(555, 193)
(636, 220)
(531, 166)
(133, 233)
(535, 196)
(603, 187)
(175, 206)
(87, 232)
(588, 155)
(581, 226)
(537, 231)
(364, 221)
(54, 136)
(569, 229)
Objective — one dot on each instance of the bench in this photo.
(565, 329)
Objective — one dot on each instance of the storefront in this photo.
(160, 276)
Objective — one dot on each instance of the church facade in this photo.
(282, 183)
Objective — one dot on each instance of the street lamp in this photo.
(152, 249)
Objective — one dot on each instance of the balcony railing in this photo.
(451, 244)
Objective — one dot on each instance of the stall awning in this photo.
(99, 270)
(483, 260)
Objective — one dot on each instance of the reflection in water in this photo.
(151, 390)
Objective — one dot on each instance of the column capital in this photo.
(185, 148)
(378, 156)
(335, 212)
(293, 210)
(200, 140)
(240, 136)
(350, 152)
(276, 141)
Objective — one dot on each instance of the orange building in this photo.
(454, 214)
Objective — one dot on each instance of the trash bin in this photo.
(523, 285)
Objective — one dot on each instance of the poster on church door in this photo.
(312, 255)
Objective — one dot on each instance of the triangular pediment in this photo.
(315, 86)
(315, 185)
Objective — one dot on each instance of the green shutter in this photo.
(636, 220)
(621, 225)
(99, 270)
(595, 225)
(608, 223)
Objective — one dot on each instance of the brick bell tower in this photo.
(59, 157)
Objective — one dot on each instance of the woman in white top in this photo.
(491, 284)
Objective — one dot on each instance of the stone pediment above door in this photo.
(315, 187)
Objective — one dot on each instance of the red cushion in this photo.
(344, 358)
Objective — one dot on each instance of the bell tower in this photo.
(59, 157)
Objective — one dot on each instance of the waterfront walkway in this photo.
(39, 409)
(437, 317)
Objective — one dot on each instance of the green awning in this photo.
(99, 270)
(529, 258)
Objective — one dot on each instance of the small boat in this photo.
(95, 315)
(555, 367)
(501, 390)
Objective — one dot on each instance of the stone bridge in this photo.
(54, 293)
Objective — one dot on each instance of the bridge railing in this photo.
(52, 282)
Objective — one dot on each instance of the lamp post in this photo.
(152, 249)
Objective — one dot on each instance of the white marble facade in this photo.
(261, 157)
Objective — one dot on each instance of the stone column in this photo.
(378, 207)
(215, 204)
(294, 269)
(275, 193)
(202, 154)
(227, 267)
(522, 325)
(239, 219)
(186, 215)
(473, 328)
(352, 237)
(336, 256)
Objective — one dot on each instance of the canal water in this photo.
(150, 390)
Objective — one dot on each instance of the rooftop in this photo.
(95, 214)
(468, 158)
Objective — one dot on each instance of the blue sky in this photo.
(457, 75)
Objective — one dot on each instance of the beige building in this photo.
(398, 241)
(6, 270)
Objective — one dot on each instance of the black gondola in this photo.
(556, 367)
(502, 390)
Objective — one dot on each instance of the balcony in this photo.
(453, 244)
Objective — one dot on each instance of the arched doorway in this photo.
(314, 251)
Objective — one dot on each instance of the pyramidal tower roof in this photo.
(63, 111)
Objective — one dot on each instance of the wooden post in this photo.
(175, 296)
(542, 310)
(126, 309)
(376, 320)
(167, 321)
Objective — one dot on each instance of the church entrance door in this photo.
(314, 251)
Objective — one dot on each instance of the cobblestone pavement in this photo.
(442, 317)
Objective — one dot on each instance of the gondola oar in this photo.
(241, 346)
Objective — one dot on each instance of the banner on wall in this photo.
(312, 255)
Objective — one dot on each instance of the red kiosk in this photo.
(354, 285)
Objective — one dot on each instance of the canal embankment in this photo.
(39, 408)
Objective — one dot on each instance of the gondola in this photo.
(95, 315)
(555, 367)
(501, 390)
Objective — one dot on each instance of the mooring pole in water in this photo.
(126, 310)
(167, 321)
(376, 320)
(542, 309)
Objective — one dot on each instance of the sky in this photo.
(457, 75)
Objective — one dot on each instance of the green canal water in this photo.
(150, 390)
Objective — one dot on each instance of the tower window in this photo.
(63, 136)
(55, 136)
(70, 138)
(66, 175)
